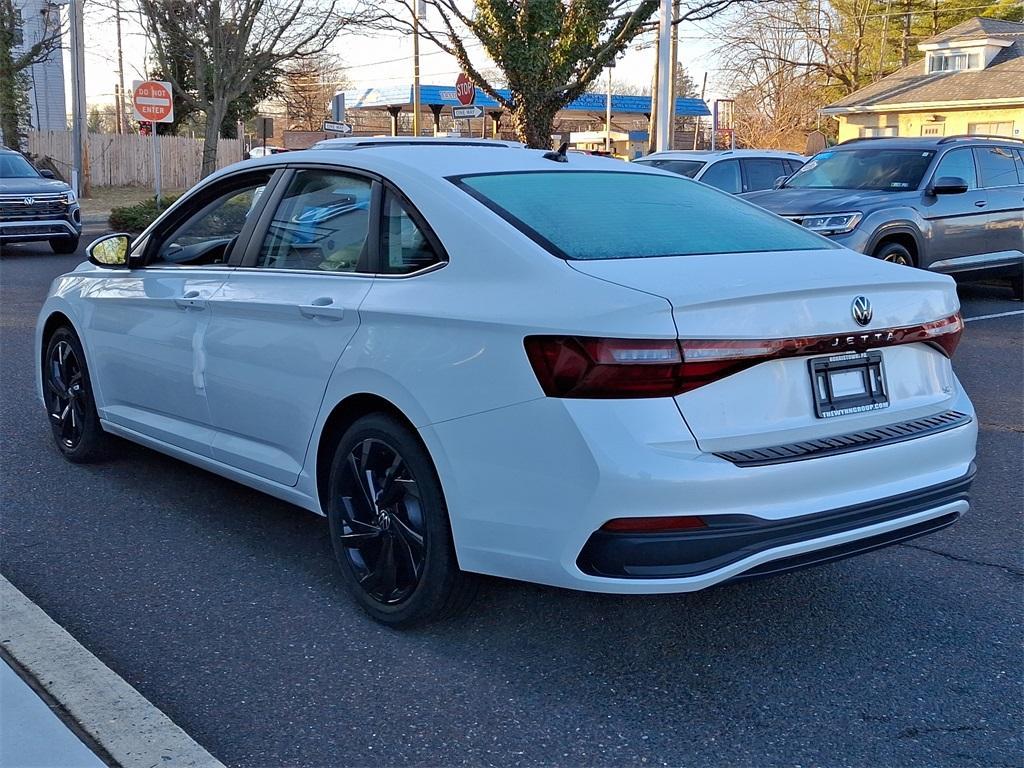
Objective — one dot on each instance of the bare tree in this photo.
(550, 51)
(231, 43)
(19, 52)
(307, 87)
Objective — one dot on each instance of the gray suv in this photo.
(36, 206)
(953, 205)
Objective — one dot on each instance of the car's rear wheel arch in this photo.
(343, 416)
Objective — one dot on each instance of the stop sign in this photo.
(151, 100)
(465, 90)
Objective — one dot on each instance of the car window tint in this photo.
(321, 223)
(958, 164)
(997, 166)
(1020, 165)
(792, 166)
(404, 247)
(206, 236)
(724, 175)
(642, 215)
(762, 172)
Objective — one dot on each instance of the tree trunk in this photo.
(214, 118)
(8, 105)
(533, 123)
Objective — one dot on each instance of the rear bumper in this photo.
(731, 539)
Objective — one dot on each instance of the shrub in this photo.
(135, 218)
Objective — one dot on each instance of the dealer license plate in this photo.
(848, 384)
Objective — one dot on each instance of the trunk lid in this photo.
(784, 295)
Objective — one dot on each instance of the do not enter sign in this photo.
(465, 91)
(152, 102)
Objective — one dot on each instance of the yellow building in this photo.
(971, 81)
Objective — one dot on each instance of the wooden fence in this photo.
(127, 160)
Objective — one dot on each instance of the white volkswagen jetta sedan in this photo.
(474, 358)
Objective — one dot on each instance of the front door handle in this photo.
(322, 307)
(190, 300)
(980, 203)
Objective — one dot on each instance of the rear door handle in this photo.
(980, 203)
(190, 300)
(322, 307)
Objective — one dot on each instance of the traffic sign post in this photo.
(467, 113)
(330, 126)
(465, 91)
(152, 101)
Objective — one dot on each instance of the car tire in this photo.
(70, 407)
(389, 526)
(896, 253)
(64, 244)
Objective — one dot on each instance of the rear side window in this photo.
(997, 166)
(622, 215)
(404, 246)
(688, 168)
(762, 172)
(958, 164)
(724, 175)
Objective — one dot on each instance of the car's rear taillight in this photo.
(588, 367)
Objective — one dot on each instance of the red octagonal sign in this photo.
(465, 90)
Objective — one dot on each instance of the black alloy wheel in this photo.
(389, 525)
(64, 379)
(383, 532)
(67, 393)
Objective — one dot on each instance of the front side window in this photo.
(762, 172)
(725, 176)
(641, 215)
(404, 246)
(687, 168)
(207, 235)
(958, 164)
(321, 223)
(996, 166)
(16, 167)
(887, 169)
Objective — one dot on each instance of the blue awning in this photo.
(401, 96)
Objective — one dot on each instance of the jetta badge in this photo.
(29, 201)
(861, 310)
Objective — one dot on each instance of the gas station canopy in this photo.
(400, 96)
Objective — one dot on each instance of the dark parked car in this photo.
(36, 206)
(953, 205)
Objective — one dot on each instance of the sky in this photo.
(378, 60)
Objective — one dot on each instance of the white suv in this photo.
(730, 170)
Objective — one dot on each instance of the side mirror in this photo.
(779, 182)
(46, 174)
(110, 251)
(949, 185)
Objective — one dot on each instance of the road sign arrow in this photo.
(332, 127)
(463, 113)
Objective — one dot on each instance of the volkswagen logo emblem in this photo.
(861, 310)
(29, 201)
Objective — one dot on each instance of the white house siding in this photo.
(47, 108)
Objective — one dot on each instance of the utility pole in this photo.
(675, 73)
(79, 134)
(665, 107)
(608, 112)
(652, 134)
(418, 8)
(905, 40)
(122, 122)
(696, 122)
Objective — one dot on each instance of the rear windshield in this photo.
(888, 169)
(623, 215)
(688, 168)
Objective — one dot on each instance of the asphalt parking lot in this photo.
(221, 606)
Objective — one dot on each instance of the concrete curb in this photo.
(132, 731)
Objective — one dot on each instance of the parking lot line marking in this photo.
(997, 314)
(119, 718)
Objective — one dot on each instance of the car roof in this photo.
(366, 142)
(707, 154)
(440, 160)
(924, 142)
